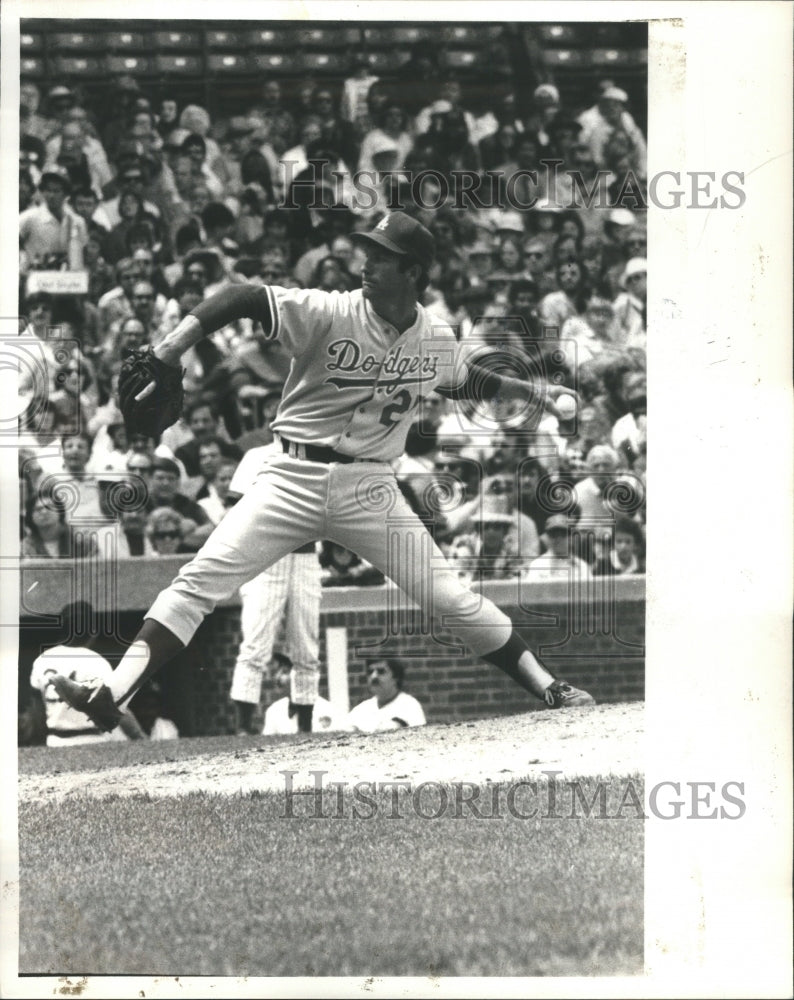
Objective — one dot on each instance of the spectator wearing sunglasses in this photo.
(389, 707)
(164, 530)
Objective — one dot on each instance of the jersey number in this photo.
(400, 403)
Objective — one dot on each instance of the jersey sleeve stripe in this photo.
(275, 315)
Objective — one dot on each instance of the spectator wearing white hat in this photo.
(630, 306)
(558, 563)
(392, 129)
(608, 114)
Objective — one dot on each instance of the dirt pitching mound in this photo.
(604, 740)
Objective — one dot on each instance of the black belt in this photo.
(317, 453)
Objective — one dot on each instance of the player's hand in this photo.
(553, 393)
(92, 699)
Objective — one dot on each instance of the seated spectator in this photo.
(600, 121)
(202, 420)
(389, 707)
(281, 717)
(624, 557)
(165, 531)
(147, 707)
(216, 502)
(109, 450)
(343, 568)
(195, 525)
(392, 128)
(595, 496)
(630, 432)
(116, 304)
(558, 563)
(131, 180)
(194, 146)
(73, 657)
(335, 131)
(570, 300)
(631, 306)
(47, 534)
(596, 332)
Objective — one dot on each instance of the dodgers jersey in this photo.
(354, 382)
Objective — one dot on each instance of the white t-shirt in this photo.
(369, 717)
(278, 723)
(65, 725)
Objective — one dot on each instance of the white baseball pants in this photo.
(358, 505)
(288, 592)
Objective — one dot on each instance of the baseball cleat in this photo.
(560, 694)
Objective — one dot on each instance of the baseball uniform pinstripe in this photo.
(288, 594)
(290, 591)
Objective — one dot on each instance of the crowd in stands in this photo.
(160, 206)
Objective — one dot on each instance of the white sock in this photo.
(123, 683)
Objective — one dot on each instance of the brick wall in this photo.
(595, 641)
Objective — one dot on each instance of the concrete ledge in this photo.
(132, 585)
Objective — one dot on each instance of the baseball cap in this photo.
(557, 522)
(56, 173)
(637, 265)
(622, 217)
(615, 94)
(58, 91)
(481, 249)
(509, 222)
(548, 92)
(495, 510)
(239, 125)
(402, 235)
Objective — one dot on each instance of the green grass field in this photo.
(210, 884)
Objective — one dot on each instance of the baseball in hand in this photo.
(566, 406)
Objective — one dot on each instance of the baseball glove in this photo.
(92, 699)
(161, 407)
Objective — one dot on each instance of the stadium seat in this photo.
(325, 62)
(31, 67)
(460, 59)
(471, 34)
(225, 40)
(329, 38)
(401, 35)
(265, 38)
(181, 64)
(559, 34)
(126, 41)
(387, 60)
(618, 57)
(277, 62)
(66, 66)
(228, 62)
(562, 57)
(77, 41)
(29, 42)
(170, 41)
(133, 64)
